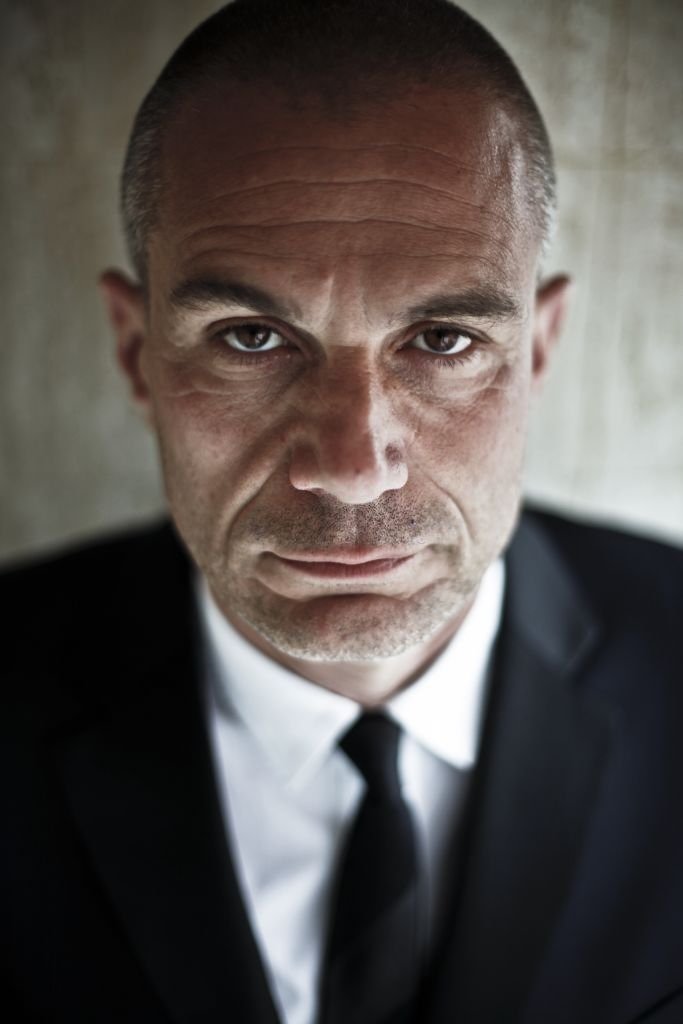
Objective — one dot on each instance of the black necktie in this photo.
(372, 964)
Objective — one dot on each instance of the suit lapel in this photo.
(139, 783)
(545, 743)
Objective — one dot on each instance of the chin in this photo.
(362, 627)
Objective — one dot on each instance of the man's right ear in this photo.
(125, 303)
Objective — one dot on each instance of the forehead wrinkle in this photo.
(259, 254)
(479, 131)
(365, 221)
(443, 256)
(199, 235)
(370, 147)
(420, 205)
(431, 227)
(339, 183)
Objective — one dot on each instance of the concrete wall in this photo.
(608, 435)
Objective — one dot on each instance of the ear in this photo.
(125, 304)
(552, 303)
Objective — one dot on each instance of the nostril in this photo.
(394, 456)
(347, 458)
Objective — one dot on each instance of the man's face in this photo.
(337, 360)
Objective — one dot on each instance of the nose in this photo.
(349, 442)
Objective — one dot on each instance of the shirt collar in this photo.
(297, 723)
(443, 710)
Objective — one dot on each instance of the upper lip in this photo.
(345, 556)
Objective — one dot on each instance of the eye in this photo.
(442, 341)
(252, 338)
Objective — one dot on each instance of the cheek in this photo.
(479, 436)
(214, 438)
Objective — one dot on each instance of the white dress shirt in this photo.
(289, 794)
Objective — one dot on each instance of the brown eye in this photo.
(442, 341)
(252, 338)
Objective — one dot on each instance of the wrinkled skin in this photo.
(332, 417)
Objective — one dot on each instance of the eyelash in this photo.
(286, 351)
(451, 362)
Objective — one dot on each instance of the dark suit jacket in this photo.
(118, 895)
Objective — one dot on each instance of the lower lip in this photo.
(344, 571)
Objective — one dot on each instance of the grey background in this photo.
(608, 433)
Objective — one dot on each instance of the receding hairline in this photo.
(176, 91)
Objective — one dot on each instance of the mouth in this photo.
(345, 565)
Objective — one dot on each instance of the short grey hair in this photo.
(314, 45)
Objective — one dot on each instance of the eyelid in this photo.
(218, 329)
(275, 341)
(439, 325)
(457, 327)
(293, 336)
(420, 342)
(220, 326)
(416, 332)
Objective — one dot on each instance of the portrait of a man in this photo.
(354, 735)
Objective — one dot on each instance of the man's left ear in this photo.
(552, 303)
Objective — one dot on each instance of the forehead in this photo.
(426, 182)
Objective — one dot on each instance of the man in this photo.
(352, 741)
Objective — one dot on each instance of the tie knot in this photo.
(372, 745)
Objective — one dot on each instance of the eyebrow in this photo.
(476, 303)
(200, 293)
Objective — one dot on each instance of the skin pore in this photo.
(336, 351)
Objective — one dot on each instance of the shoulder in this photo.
(85, 589)
(83, 563)
(617, 597)
(624, 576)
(595, 545)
